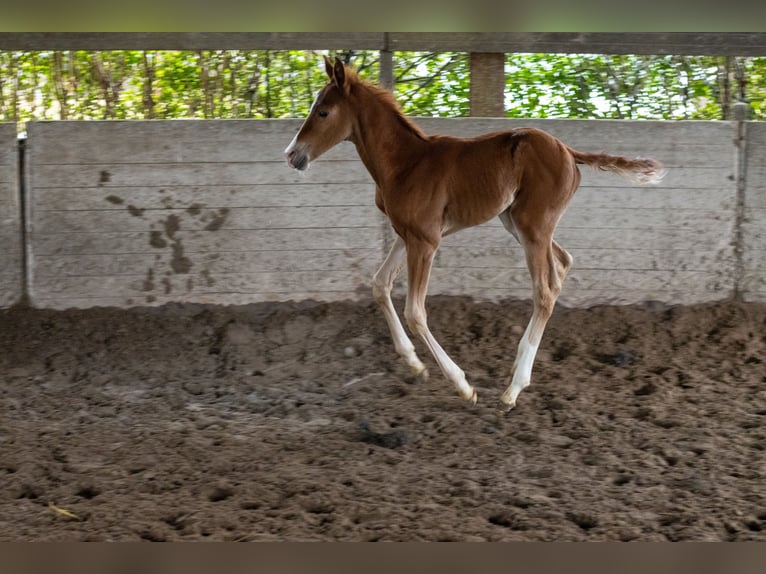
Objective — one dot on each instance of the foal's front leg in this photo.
(420, 255)
(382, 284)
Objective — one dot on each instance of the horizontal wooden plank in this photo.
(684, 43)
(192, 40)
(651, 197)
(650, 281)
(326, 194)
(584, 298)
(512, 256)
(675, 144)
(617, 218)
(109, 176)
(580, 219)
(362, 260)
(132, 218)
(209, 298)
(612, 136)
(352, 171)
(282, 282)
(179, 141)
(442, 281)
(193, 198)
(493, 234)
(207, 220)
(580, 298)
(175, 141)
(203, 242)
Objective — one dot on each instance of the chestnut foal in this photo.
(432, 186)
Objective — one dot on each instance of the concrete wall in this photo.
(133, 213)
(10, 218)
(136, 213)
(754, 215)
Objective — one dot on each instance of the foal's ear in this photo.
(328, 67)
(340, 75)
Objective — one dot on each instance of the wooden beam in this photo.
(678, 43)
(191, 41)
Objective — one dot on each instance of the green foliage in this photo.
(79, 85)
(620, 87)
(429, 84)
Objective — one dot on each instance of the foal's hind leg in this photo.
(420, 255)
(382, 284)
(548, 264)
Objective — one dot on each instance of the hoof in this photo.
(506, 407)
(472, 398)
(420, 374)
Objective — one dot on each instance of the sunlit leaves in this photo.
(428, 84)
(78, 85)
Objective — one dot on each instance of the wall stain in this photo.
(114, 199)
(148, 284)
(156, 240)
(104, 177)
(168, 237)
(194, 209)
(218, 220)
(172, 224)
(208, 278)
(180, 263)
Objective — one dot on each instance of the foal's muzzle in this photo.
(299, 161)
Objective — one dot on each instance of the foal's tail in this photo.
(641, 170)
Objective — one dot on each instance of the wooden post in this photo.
(386, 69)
(487, 84)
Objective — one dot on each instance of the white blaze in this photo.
(294, 141)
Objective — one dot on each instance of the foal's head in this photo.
(329, 121)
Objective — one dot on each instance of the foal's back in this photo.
(478, 178)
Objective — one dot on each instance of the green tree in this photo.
(77, 85)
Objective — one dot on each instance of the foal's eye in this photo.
(322, 113)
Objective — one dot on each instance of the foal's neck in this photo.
(387, 142)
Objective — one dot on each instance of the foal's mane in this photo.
(386, 98)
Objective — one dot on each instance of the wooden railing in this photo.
(679, 43)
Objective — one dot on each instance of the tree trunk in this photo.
(59, 85)
(148, 98)
(487, 84)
